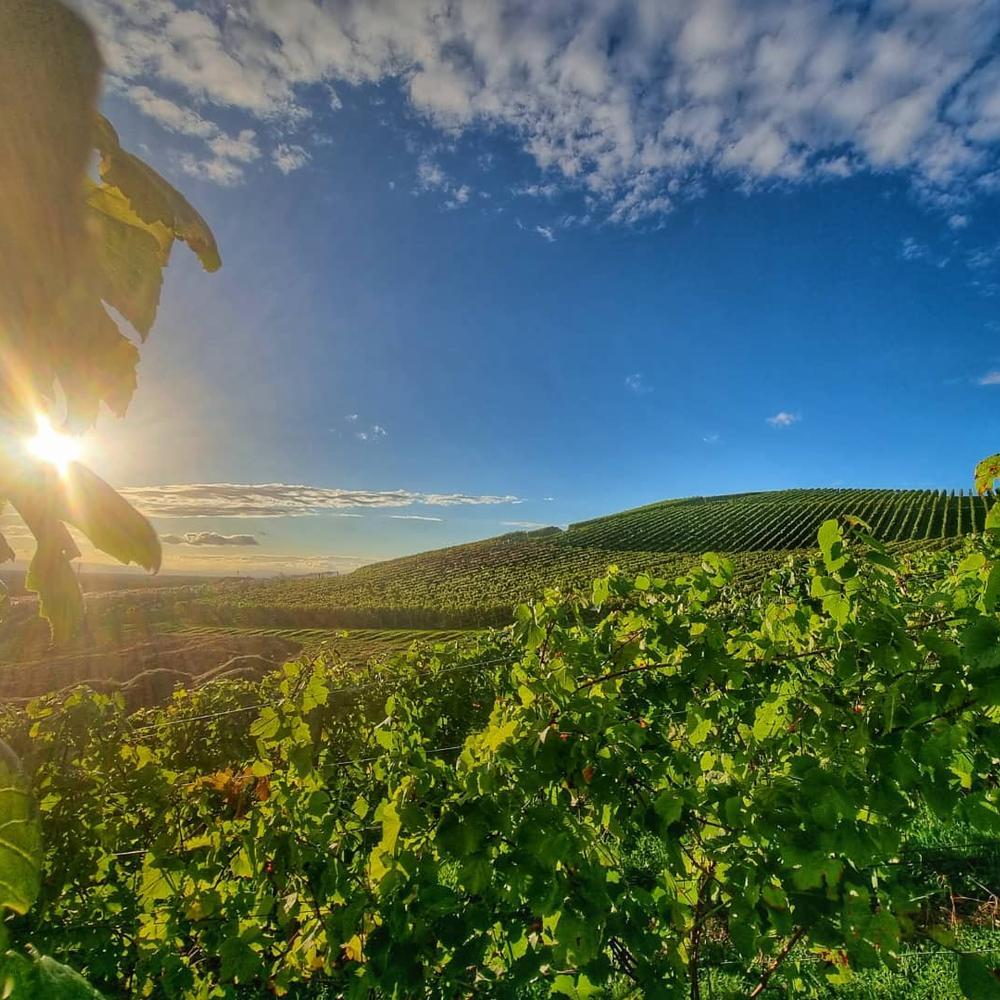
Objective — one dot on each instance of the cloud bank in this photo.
(281, 500)
(208, 538)
(637, 102)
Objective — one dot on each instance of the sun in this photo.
(53, 446)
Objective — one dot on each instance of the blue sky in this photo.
(552, 266)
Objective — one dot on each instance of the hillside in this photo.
(478, 583)
(784, 519)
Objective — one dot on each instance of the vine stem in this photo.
(778, 959)
(699, 922)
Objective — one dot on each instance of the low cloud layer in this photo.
(208, 538)
(638, 103)
(281, 500)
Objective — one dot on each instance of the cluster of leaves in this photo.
(28, 973)
(465, 824)
(71, 246)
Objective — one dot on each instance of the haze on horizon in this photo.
(491, 266)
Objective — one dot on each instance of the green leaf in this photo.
(993, 518)
(976, 979)
(266, 725)
(837, 607)
(771, 718)
(991, 592)
(668, 807)
(831, 544)
(55, 981)
(20, 837)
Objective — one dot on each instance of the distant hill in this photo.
(784, 519)
(479, 583)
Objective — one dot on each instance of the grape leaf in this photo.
(976, 980)
(987, 472)
(20, 837)
(152, 198)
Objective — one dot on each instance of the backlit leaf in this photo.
(20, 837)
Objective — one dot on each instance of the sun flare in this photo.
(53, 446)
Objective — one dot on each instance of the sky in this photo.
(498, 265)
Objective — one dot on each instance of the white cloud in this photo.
(636, 382)
(351, 418)
(711, 439)
(546, 233)
(288, 157)
(912, 249)
(990, 378)
(636, 102)
(958, 220)
(432, 177)
(983, 257)
(208, 538)
(524, 525)
(170, 115)
(282, 500)
(216, 169)
(549, 190)
(783, 419)
(219, 166)
(413, 517)
(242, 147)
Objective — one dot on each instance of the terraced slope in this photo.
(787, 519)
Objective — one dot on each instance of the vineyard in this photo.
(787, 519)
(479, 584)
(649, 789)
(464, 586)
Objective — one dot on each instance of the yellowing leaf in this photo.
(353, 949)
(130, 261)
(987, 473)
(154, 199)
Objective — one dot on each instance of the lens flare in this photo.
(53, 446)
